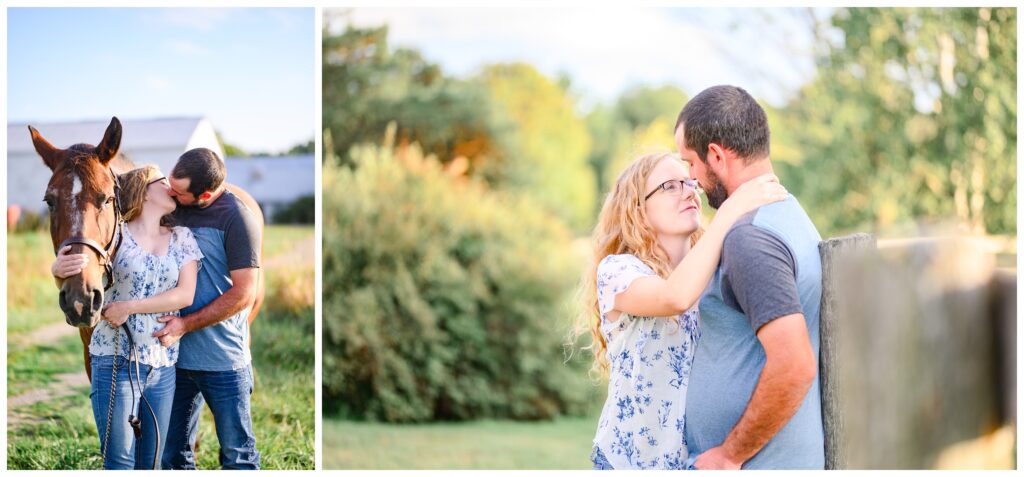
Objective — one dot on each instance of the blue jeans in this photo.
(122, 450)
(227, 393)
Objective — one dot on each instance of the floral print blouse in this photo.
(139, 274)
(641, 424)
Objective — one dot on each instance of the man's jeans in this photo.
(227, 393)
(124, 451)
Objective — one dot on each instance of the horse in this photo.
(83, 208)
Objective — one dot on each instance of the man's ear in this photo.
(205, 196)
(717, 158)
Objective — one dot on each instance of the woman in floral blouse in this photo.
(155, 272)
(640, 295)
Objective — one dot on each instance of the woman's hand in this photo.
(67, 264)
(761, 190)
(116, 313)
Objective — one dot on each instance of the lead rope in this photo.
(134, 421)
(113, 391)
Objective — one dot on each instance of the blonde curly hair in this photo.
(622, 227)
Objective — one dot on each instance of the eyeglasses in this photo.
(675, 187)
(161, 179)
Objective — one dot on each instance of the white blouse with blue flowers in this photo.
(641, 424)
(139, 274)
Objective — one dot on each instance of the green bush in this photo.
(31, 222)
(443, 300)
(300, 211)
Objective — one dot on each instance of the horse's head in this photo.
(82, 200)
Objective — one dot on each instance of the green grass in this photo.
(37, 366)
(31, 293)
(278, 239)
(564, 443)
(61, 434)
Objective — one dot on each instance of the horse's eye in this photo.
(104, 200)
(49, 202)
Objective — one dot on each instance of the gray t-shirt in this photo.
(770, 268)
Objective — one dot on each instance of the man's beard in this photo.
(715, 191)
(194, 204)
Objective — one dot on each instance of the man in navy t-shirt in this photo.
(753, 399)
(214, 363)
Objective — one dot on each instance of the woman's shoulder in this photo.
(183, 238)
(624, 262)
(181, 232)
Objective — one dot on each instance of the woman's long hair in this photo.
(133, 191)
(622, 227)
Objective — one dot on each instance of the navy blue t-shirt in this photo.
(229, 236)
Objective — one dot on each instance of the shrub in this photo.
(443, 300)
(300, 211)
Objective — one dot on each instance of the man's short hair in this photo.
(202, 167)
(728, 116)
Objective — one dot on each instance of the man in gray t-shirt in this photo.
(753, 399)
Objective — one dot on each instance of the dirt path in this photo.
(64, 386)
(47, 334)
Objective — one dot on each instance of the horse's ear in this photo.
(107, 148)
(51, 155)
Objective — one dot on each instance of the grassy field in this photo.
(56, 430)
(560, 444)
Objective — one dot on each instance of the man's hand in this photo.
(716, 458)
(173, 330)
(116, 313)
(67, 264)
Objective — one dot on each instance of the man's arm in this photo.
(236, 299)
(787, 375)
(761, 272)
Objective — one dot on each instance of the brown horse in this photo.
(82, 201)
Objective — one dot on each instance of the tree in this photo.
(912, 116)
(300, 149)
(547, 147)
(367, 85)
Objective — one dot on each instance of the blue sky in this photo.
(250, 71)
(606, 50)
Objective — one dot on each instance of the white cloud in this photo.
(201, 19)
(187, 48)
(158, 83)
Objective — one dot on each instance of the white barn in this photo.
(144, 141)
(274, 182)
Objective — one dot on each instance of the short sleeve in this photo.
(614, 275)
(187, 248)
(759, 275)
(242, 239)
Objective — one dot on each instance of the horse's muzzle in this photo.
(82, 307)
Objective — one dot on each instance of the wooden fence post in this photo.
(917, 351)
(837, 255)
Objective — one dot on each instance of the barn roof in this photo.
(138, 134)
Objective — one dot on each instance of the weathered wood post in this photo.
(917, 351)
(837, 256)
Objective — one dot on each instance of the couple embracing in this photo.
(175, 331)
(709, 335)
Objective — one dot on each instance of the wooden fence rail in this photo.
(918, 349)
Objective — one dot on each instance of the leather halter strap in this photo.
(107, 252)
